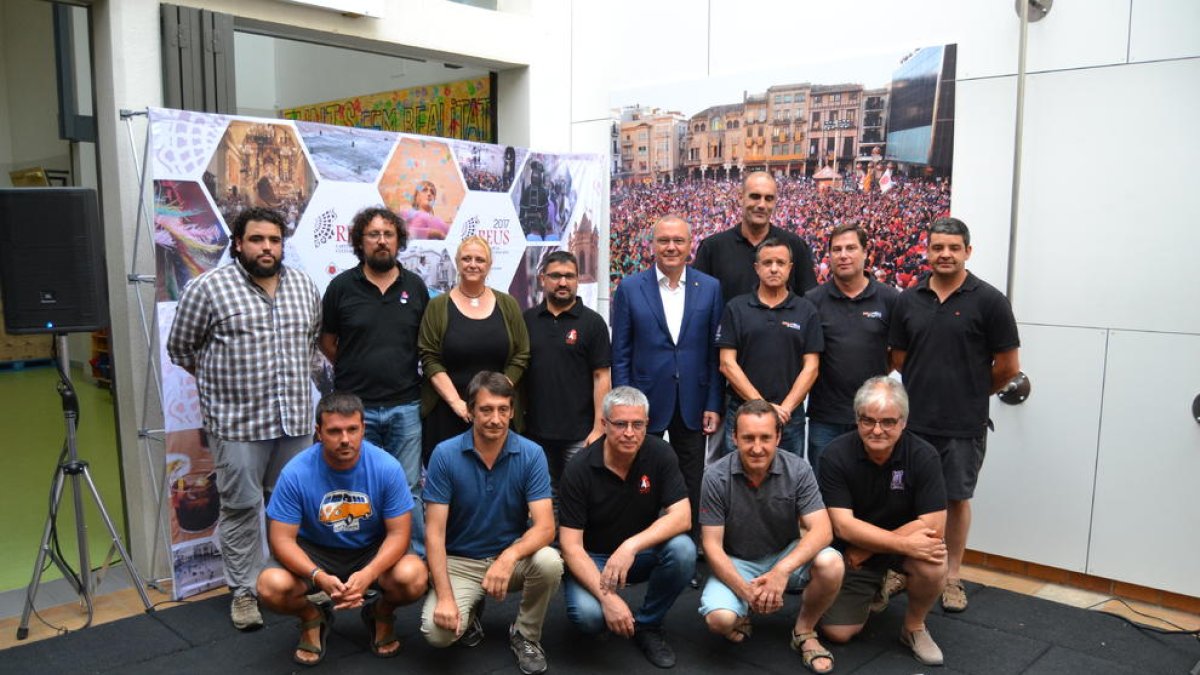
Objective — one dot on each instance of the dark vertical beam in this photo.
(223, 63)
(172, 84)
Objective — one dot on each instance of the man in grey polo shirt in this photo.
(772, 497)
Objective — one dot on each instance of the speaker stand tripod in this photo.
(75, 470)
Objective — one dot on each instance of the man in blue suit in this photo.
(664, 320)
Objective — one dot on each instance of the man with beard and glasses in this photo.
(568, 373)
(370, 317)
(247, 332)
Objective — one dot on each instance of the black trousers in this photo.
(689, 445)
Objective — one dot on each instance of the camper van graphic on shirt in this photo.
(343, 509)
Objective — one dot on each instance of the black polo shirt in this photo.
(564, 350)
(610, 510)
(856, 335)
(758, 519)
(907, 485)
(950, 347)
(729, 257)
(770, 341)
(377, 335)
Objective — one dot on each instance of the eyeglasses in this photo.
(622, 425)
(887, 423)
(678, 241)
(380, 234)
(559, 276)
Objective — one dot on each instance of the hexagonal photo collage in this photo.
(207, 168)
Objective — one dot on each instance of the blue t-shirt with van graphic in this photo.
(341, 509)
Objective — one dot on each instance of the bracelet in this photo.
(312, 576)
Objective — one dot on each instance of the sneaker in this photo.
(923, 647)
(654, 646)
(531, 658)
(893, 584)
(473, 635)
(244, 612)
(954, 596)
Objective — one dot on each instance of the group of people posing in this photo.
(472, 450)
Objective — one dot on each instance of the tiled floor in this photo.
(118, 604)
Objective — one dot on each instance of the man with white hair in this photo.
(886, 497)
(625, 517)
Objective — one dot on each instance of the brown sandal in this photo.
(371, 619)
(322, 621)
(810, 655)
(742, 628)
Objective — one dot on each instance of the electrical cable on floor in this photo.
(1178, 630)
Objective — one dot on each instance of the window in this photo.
(799, 149)
(830, 145)
(850, 115)
(816, 117)
(817, 100)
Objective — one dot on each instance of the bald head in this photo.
(759, 192)
(672, 245)
(757, 175)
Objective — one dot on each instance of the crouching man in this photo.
(625, 519)
(887, 500)
(340, 520)
(765, 532)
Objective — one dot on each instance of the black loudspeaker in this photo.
(52, 261)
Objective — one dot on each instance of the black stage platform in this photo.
(1001, 632)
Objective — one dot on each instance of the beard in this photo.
(559, 302)
(259, 270)
(381, 263)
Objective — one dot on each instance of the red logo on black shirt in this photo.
(644, 485)
(572, 336)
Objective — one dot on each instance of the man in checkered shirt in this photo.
(247, 331)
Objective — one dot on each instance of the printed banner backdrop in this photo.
(868, 139)
(206, 168)
(461, 109)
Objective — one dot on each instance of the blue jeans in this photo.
(792, 439)
(397, 429)
(716, 595)
(819, 435)
(668, 568)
